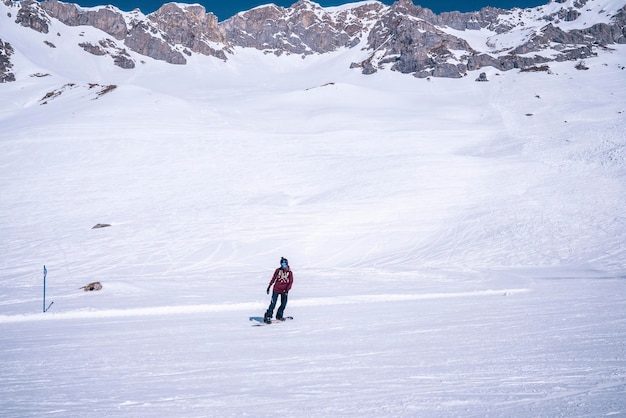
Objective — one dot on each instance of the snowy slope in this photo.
(458, 247)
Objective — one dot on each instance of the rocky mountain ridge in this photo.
(402, 37)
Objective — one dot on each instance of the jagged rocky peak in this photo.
(485, 18)
(304, 28)
(167, 34)
(108, 19)
(184, 22)
(192, 27)
(358, 21)
(411, 44)
(131, 29)
(270, 28)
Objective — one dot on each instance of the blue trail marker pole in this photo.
(45, 273)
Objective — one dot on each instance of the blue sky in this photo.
(224, 9)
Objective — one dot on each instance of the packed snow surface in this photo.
(459, 248)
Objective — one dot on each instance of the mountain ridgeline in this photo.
(402, 37)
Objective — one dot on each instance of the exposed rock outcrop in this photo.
(32, 16)
(482, 77)
(120, 56)
(93, 286)
(6, 50)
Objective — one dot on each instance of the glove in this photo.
(268, 289)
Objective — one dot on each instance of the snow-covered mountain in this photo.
(402, 37)
(458, 247)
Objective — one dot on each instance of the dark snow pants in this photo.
(281, 308)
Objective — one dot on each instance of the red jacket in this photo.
(282, 279)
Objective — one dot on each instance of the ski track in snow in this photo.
(249, 307)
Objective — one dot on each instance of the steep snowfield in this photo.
(459, 247)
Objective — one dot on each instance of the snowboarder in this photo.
(282, 281)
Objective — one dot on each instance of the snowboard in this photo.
(258, 320)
